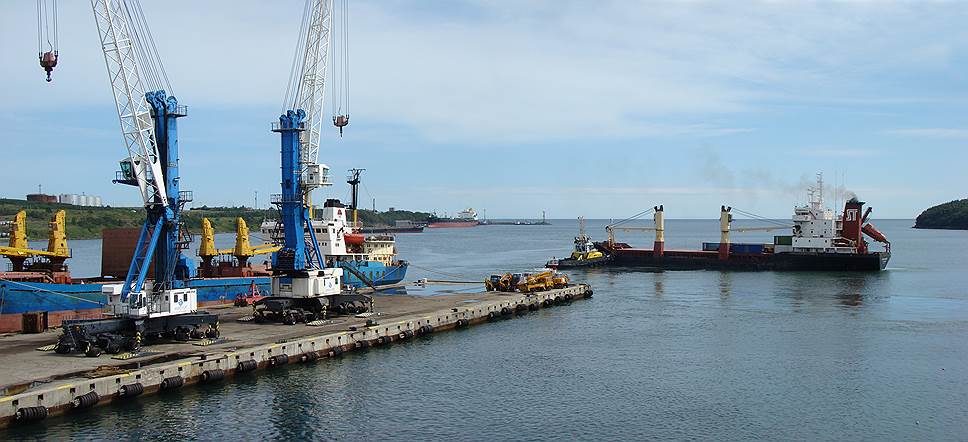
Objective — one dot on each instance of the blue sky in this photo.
(597, 109)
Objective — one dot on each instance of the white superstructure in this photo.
(816, 228)
(467, 214)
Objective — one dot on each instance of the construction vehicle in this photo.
(303, 287)
(144, 309)
(526, 282)
(500, 283)
(219, 262)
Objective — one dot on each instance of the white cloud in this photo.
(931, 132)
(482, 72)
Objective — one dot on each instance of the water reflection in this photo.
(725, 284)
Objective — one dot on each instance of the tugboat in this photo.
(584, 255)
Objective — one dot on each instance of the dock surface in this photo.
(32, 378)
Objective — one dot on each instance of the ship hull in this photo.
(708, 260)
(392, 230)
(571, 263)
(451, 224)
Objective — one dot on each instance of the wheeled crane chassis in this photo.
(113, 335)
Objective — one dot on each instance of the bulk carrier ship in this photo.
(819, 241)
(464, 218)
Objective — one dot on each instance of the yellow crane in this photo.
(18, 249)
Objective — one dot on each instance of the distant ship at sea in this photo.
(464, 218)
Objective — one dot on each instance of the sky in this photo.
(575, 108)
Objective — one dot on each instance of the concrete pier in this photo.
(36, 384)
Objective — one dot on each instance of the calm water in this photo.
(673, 355)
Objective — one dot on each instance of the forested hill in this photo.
(88, 222)
(950, 215)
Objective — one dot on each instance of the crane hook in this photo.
(48, 60)
(341, 121)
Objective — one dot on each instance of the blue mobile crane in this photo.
(163, 307)
(304, 288)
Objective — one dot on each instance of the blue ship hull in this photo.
(63, 301)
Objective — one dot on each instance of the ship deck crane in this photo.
(149, 127)
(303, 287)
(18, 250)
(242, 251)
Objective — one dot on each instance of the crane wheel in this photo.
(93, 351)
(181, 334)
(113, 348)
(62, 349)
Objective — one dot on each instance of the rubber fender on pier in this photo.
(131, 390)
(172, 383)
(406, 334)
(383, 340)
(213, 375)
(547, 303)
(278, 360)
(521, 309)
(85, 400)
(309, 357)
(533, 306)
(462, 323)
(335, 351)
(245, 366)
(506, 311)
(362, 344)
(425, 330)
(568, 297)
(27, 414)
(589, 293)
(493, 315)
(558, 300)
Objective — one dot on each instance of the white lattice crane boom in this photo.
(120, 45)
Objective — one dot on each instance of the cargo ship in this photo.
(39, 292)
(399, 226)
(818, 241)
(372, 256)
(464, 218)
